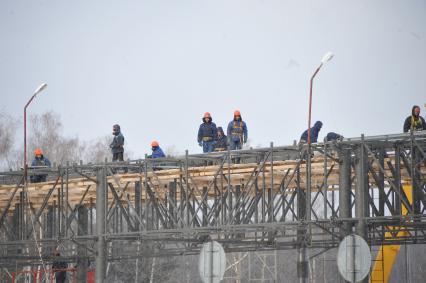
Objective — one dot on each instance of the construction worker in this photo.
(39, 161)
(207, 133)
(222, 141)
(117, 145)
(331, 136)
(314, 133)
(59, 267)
(157, 152)
(237, 132)
(414, 122)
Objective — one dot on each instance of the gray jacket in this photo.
(117, 144)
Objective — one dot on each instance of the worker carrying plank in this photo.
(207, 133)
(117, 144)
(39, 162)
(237, 132)
(222, 140)
(414, 122)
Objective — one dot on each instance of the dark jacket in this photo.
(415, 123)
(314, 133)
(58, 267)
(331, 136)
(43, 161)
(157, 152)
(237, 131)
(207, 130)
(117, 144)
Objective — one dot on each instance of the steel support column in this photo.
(361, 192)
(345, 209)
(82, 230)
(302, 263)
(101, 206)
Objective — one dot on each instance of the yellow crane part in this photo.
(387, 254)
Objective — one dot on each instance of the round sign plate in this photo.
(353, 258)
(212, 262)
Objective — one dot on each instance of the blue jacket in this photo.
(237, 131)
(43, 161)
(331, 136)
(314, 133)
(208, 130)
(157, 152)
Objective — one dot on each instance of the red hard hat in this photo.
(207, 115)
(154, 144)
(237, 113)
(38, 152)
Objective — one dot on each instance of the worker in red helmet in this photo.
(39, 162)
(157, 152)
(237, 132)
(207, 133)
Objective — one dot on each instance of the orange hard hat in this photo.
(237, 113)
(207, 115)
(38, 152)
(154, 144)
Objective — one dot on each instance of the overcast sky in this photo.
(156, 66)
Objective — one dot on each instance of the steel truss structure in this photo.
(273, 198)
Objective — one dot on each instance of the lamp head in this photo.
(327, 57)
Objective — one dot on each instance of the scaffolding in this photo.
(265, 199)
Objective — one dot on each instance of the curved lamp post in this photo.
(37, 91)
(327, 57)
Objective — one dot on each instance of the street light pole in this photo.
(310, 103)
(302, 260)
(327, 57)
(37, 91)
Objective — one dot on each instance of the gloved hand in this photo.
(245, 141)
(200, 143)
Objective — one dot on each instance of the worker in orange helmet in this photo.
(39, 162)
(207, 133)
(237, 132)
(157, 152)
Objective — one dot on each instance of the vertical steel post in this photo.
(82, 230)
(381, 184)
(138, 204)
(345, 210)
(187, 189)
(325, 186)
(100, 225)
(271, 188)
(204, 206)
(361, 190)
(48, 228)
(302, 264)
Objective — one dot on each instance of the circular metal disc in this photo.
(354, 258)
(212, 262)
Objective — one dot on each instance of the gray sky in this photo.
(156, 66)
